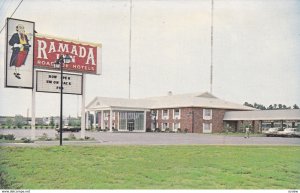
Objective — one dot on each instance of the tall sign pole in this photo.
(33, 108)
(83, 108)
(129, 59)
(61, 100)
(211, 45)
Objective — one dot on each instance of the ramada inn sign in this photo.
(84, 56)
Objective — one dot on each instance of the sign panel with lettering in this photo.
(19, 53)
(50, 82)
(86, 57)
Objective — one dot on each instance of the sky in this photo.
(255, 51)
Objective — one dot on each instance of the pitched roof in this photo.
(204, 99)
(288, 114)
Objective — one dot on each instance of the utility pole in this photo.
(129, 59)
(211, 45)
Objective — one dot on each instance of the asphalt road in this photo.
(107, 138)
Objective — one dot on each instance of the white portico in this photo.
(114, 114)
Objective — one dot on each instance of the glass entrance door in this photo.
(130, 125)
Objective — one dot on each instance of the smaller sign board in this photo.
(50, 82)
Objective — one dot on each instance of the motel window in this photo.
(207, 114)
(207, 127)
(123, 121)
(176, 113)
(138, 121)
(176, 126)
(165, 113)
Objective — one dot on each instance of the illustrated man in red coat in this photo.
(20, 46)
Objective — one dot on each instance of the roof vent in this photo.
(170, 93)
(206, 95)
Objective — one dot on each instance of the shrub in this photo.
(86, 137)
(178, 130)
(148, 130)
(167, 130)
(157, 130)
(9, 137)
(26, 140)
(186, 130)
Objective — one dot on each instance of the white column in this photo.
(102, 120)
(145, 118)
(87, 119)
(33, 108)
(110, 120)
(94, 124)
(83, 123)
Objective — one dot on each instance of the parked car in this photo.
(289, 132)
(272, 131)
(69, 129)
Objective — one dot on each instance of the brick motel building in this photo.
(193, 113)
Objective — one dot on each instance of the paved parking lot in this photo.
(107, 138)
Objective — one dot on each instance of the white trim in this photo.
(94, 120)
(102, 120)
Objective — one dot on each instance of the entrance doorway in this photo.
(130, 125)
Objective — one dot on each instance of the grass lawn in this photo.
(150, 167)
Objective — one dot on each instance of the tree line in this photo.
(271, 107)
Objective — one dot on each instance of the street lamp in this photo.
(59, 63)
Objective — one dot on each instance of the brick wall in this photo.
(217, 120)
(186, 119)
(148, 120)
